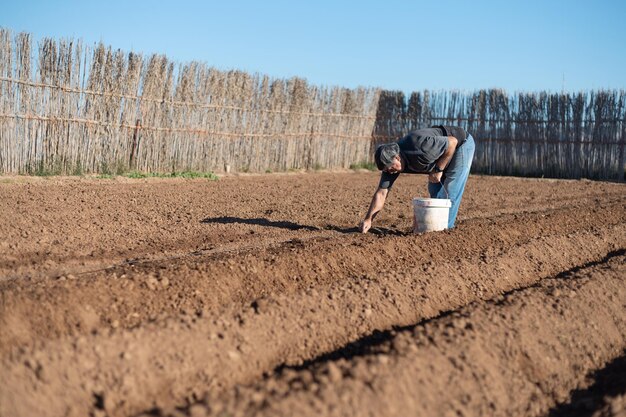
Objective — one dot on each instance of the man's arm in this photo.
(378, 201)
(443, 160)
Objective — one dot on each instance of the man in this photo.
(445, 153)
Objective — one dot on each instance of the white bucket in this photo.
(430, 214)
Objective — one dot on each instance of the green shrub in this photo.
(370, 166)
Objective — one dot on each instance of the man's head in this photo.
(387, 158)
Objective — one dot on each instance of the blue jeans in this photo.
(454, 178)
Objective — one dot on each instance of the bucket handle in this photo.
(444, 190)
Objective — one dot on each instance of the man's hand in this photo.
(365, 226)
(435, 177)
(378, 201)
(444, 160)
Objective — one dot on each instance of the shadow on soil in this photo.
(284, 224)
(259, 221)
(609, 381)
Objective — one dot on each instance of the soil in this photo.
(514, 355)
(604, 394)
(255, 295)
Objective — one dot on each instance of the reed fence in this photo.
(570, 135)
(70, 108)
(80, 109)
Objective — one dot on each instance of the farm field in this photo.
(255, 295)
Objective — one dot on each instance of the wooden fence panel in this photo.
(67, 108)
(74, 109)
(529, 134)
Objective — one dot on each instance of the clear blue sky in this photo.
(405, 45)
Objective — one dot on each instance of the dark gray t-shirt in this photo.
(419, 151)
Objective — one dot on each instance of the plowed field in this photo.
(255, 295)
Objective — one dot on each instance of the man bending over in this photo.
(445, 153)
